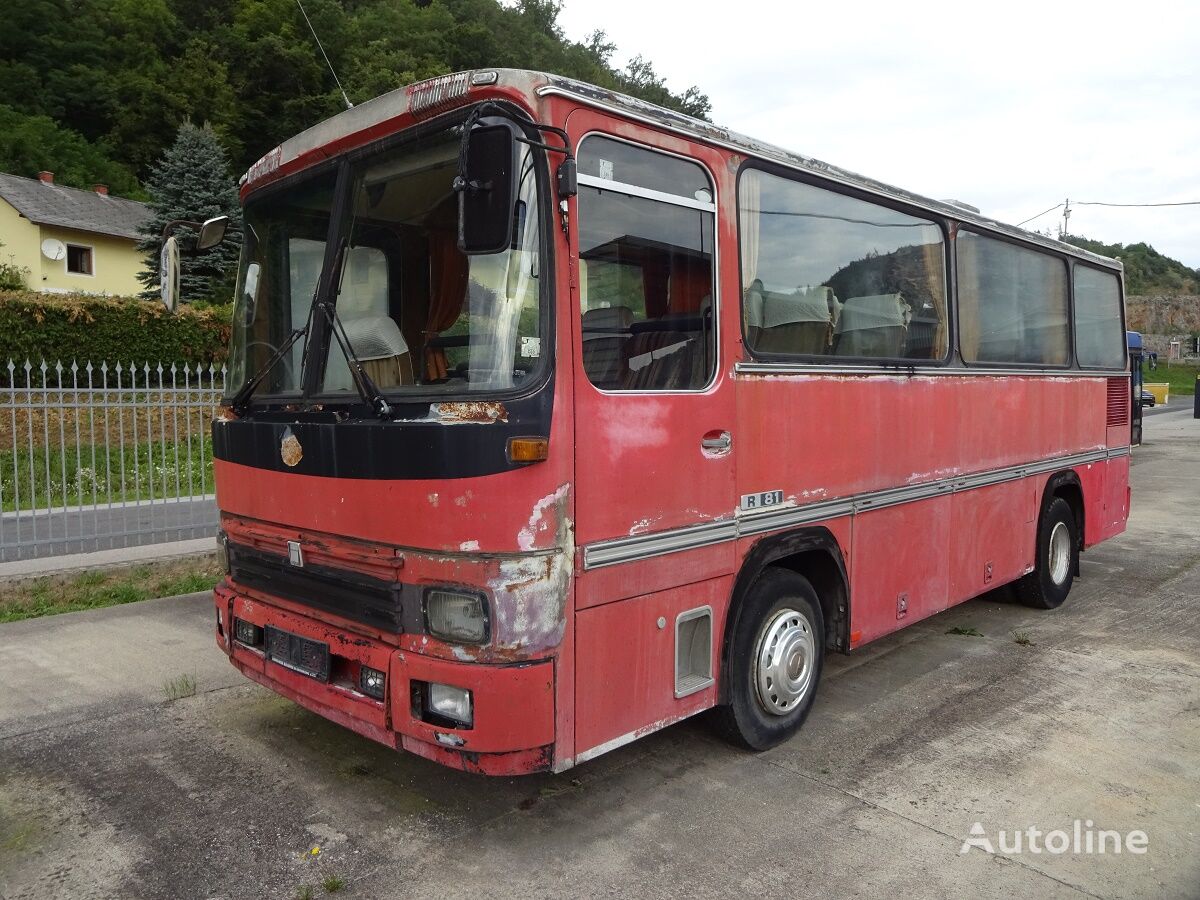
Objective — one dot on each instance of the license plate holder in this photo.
(300, 654)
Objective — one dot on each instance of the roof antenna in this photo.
(349, 105)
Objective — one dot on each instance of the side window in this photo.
(1012, 303)
(824, 274)
(1099, 340)
(646, 269)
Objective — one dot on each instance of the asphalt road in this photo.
(81, 530)
(108, 789)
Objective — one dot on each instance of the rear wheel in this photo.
(776, 654)
(1047, 586)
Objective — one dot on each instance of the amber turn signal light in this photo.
(528, 449)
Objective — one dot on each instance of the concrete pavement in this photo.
(108, 789)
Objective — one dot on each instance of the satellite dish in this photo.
(52, 248)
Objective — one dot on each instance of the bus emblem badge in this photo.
(290, 450)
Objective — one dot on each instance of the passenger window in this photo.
(1099, 340)
(1012, 303)
(824, 274)
(646, 269)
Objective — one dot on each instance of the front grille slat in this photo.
(350, 595)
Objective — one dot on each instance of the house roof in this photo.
(68, 207)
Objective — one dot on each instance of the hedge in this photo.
(81, 327)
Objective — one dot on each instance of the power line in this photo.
(1039, 215)
(349, 105)
(1098, 203)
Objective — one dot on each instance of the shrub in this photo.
(82, 327)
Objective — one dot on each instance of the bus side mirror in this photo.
(212, 233)
(487, 187)
(168, 273)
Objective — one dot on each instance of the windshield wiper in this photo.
(242, 397)
(367, 389)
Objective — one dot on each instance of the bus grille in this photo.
(1119, 401)
(350, 595)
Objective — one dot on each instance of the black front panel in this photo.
(416, 445)
(360, 598)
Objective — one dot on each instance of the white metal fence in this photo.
(94, 457)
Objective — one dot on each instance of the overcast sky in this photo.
(1009, 106)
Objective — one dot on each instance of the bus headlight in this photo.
(456, 616)
(450, 703)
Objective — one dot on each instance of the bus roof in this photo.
(442, 92)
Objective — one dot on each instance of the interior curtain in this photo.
(448, 288)
(935, 267)
(750, 215)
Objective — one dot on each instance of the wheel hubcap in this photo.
(1060, 552)
(784, 659)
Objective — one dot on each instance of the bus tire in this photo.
(1047, 586)
(777, 651)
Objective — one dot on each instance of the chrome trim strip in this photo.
(691, 537)
(787, 368)
(633, 190)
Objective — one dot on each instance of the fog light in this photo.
(371, 682)
(451, 703)
(247, 633)
(454, 616)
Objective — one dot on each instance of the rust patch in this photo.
(290, 450)
(482, 411)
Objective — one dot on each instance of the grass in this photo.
(968, 631)
(56, 594)
(1022, 638)
(332, 884)
(1180, 376)
(304, 892)
(80, 476)
(178, 688)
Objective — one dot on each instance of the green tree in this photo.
(192, 181)
(31, 143)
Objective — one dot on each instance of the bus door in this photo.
(654, 414)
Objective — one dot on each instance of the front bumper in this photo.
(512, 732)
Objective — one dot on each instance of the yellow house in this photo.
(70, 240)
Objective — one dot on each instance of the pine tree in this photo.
(192, 181)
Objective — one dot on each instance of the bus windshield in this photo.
(421, 316)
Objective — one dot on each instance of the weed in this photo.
(332, 884)
(105, 587)
(178, 688)
(1022, 638)
(969, 631)
(304, 892)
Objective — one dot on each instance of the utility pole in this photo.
(1066, 225)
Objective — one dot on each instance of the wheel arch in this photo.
(812, 552)
(1066, 484)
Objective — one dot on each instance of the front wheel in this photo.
(775, 658)
(1047, 586)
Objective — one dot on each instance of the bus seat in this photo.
(378, 343)
(605, 336)
(875, 325)
(799, 322)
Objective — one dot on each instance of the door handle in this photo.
(716, 442)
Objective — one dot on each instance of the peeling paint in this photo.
(485, 411)
(468, 546)
(530, 592)
(527, 537)
(433, 499)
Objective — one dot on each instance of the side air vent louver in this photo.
(1119, 401)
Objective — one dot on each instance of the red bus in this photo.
(557, 417)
